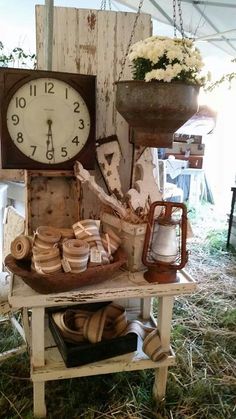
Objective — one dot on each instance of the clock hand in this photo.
(50, 150)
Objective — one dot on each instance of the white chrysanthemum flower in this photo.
(155, 53)
(155, 75)
(160, 51)
(174, 54)
(193, 62)
(177, 68)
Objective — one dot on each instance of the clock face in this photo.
(48, 120)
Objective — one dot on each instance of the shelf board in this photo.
(55, 368)
(123, 284)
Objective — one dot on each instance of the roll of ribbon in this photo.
(21, 247)
(66, 233)
(46, 237)
(88, 230)
(107, 323)
(75, 255)
(46, 261)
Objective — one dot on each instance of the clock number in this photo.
(76, 108)
(49, 154)
(32, 90)
(66, 93)
(63, 152)
(49, 86)
(76, 140)
(81, 126)
(34, 149)
(19, 137)
(15, 119)
(20, 102)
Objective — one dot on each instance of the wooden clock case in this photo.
(11, 80)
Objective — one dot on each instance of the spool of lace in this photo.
(75, 255)
(21, 247)
(46, 237)
(46, 261)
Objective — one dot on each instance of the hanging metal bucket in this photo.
(155, 109)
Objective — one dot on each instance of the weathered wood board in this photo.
(95, 42)
(182, 148)
(13, 175)
(52, 199)
(14, 225)
(146, 189)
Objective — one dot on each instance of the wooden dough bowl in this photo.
(60, 282)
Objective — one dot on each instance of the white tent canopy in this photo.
(211, 21)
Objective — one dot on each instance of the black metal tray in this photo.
(77, 354)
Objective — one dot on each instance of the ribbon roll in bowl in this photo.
(75, 255)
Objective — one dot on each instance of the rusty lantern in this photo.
(164, 251)
(155, 110)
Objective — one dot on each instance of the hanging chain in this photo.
(180, 19)
(174, 18)
(130, 40)
(104, 4)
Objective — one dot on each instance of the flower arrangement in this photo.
(166, 59)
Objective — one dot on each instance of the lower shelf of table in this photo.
(55, 369)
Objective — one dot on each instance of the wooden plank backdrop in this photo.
(51, 200)
(95, 42)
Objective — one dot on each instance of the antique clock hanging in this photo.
(47, 119)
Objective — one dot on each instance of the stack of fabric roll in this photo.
(88, 231)
(53, 250)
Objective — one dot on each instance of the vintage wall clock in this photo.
(47, 119)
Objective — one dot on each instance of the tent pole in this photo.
(48, 34)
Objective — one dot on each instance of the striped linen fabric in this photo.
(88, 230)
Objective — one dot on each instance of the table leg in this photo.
(146, 308)
(38, 359)
(39, 399)
(231, 215)
(196, 179)
(159, 386)
(165, 308)
(26, 326)
(37, 334)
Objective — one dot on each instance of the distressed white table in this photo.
(46, 361)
